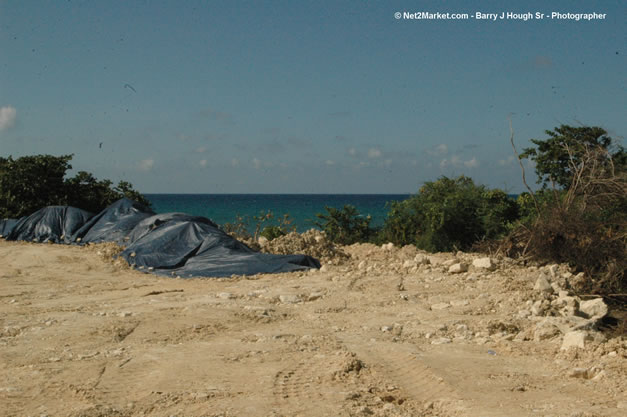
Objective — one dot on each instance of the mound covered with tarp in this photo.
(50, 224)
(114, 223)
(177, 244)
(171, 244)
(6, 225)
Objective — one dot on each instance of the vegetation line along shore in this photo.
(578, 215)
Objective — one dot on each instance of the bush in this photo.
(558, 157)
(450, 214)
(272, 232)
(241, 227)
(345, 226)
(582, 220)
(32, 182)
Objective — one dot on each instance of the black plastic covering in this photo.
(171, 244)
(176, 244)
(6, 225)
(114, 223)
(50, 224)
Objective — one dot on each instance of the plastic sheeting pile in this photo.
(171, 244)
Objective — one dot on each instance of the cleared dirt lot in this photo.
(80, 336)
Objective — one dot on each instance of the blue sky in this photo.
(301, 97)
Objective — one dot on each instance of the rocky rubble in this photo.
(556, 312)
(313, 243)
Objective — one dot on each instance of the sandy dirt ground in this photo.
(81, 336)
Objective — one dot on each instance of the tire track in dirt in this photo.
(310, 388)
(401, 365)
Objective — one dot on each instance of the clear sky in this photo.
(302, 96)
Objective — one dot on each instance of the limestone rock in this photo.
(545, 330)
(543, 285)
(575, 339)
(484, 263)
(421, 259)
(458, 268)
(387, 246)
(553, 269)
(441, 341)
(409, 264)
(593, 308)
(289, 298)
(449, 262)
(226, 295)
(440, 306)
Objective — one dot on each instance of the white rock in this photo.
(361, 265)
(459, 303)
(524, 314)
(225, 295)
(575, 339)
(440, 306)
(553, 269)
(289, 298)
(543, 285)
(324, 268)
(593, 308)
(484, 263)
(409, 264)
(387, 246)
(458, 268)
(545, 330)
(598, 376)
(421, 259)
(449, 262)
(441, 341)
(263, 241)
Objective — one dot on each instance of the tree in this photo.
(567, 147)
(583, 220)
(32, 182)
(345, 226)
(449, 214)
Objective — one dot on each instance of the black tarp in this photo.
(171, 244)
(114, 223)
(6, 225)
(50, 224)
(176, 244)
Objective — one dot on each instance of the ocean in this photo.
(302, 208)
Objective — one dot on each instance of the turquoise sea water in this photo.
(302, 208)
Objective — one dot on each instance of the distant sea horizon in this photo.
(224, 208)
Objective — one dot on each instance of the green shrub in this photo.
(583, 218)
(450, 214)
(558, 158)
(272, 232)
(32, 182)
(345, 226)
